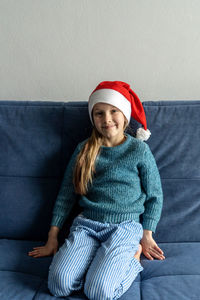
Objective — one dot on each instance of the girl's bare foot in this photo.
(138, 253)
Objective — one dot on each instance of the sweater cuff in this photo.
(149, 224)
(57, 221)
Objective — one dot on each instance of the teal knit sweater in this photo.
(126, 185)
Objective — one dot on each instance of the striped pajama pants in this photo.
(98, 257)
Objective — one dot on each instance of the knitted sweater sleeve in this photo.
(151, 184)
(66, 197)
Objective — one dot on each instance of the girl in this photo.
(117, 180)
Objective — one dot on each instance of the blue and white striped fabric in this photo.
(98, 257)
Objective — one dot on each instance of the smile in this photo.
(108, 127)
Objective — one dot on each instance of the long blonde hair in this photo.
(85, 163)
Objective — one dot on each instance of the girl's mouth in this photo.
(108, 127)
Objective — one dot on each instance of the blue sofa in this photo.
(36, 141)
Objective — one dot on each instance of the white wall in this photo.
(61, 49)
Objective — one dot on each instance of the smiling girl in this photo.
(117, 180)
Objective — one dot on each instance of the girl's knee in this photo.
(59, 283)
(98, 289)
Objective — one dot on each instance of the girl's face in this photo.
(110, 123)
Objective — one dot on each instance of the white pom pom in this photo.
(143, 134)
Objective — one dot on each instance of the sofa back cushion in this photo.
(38, 138)
(175, 142)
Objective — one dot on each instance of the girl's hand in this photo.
(150, 248)
(49, 249)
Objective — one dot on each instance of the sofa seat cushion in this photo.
(183, 287)
(176, 277)
(14, 257)
(20, 286)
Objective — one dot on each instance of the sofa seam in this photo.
(19, 272)
(195, 178)
(159, 103)
(59, 105)
(140, 288)
(18, 176)
(170, 275)
(37, 292)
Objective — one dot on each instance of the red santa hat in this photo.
(120, 95)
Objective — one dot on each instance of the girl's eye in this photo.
(114, 110)
(98, 113)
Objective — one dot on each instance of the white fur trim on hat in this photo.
(112, 97)
(143, 134)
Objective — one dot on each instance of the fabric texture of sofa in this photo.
(37, 139)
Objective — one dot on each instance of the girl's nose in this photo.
(107, 117)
